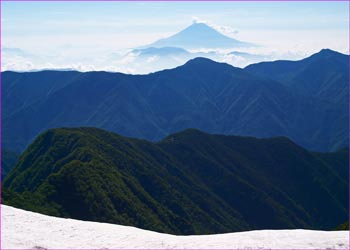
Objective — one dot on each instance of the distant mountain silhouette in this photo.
(249, 56)
(189, 183)
(324, 75)
(199, 35)
(153, 59)
(165, 51)
(214, 97)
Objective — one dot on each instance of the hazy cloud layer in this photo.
(100, 36)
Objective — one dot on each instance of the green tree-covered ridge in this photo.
(189, 183)
(8, 161)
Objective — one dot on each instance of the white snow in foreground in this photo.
(23, 229)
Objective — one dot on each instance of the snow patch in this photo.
(23, 230)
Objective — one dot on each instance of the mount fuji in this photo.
(199, 35)
(197, 40)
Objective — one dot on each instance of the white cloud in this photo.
(196, 19)
(225, 29)
(85, 53)
(152, 59)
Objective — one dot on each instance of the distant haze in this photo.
(102, 35)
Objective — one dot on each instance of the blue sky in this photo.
(73, 31)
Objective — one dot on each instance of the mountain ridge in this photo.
(210, 96)
(190, 182)
(326, 65)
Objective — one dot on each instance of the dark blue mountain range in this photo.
(304, 100)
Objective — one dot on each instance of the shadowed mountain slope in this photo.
(188, 183)
(203, 94)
